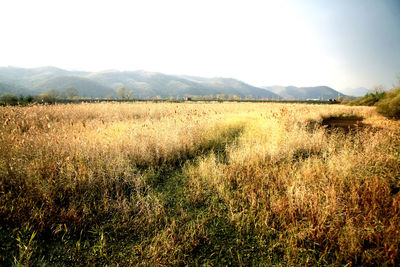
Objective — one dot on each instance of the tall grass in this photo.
(226, 183)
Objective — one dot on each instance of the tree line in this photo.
(55, 95)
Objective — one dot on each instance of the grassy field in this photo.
(198, 184)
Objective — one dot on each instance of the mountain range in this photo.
(144, 84)
(304, 93)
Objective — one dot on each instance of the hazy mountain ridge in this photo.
(6, 88)
(304, 93)
(143, 84)
(85, 86)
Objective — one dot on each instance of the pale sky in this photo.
(339, 43)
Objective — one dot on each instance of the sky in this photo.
(338, 43)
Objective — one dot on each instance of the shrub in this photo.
(389, 106)
(368, 100)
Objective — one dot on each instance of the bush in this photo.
(389, 106)
(369, 99)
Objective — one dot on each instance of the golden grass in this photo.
(198, 183)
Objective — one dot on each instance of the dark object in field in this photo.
(345, 123)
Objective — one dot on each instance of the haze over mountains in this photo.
(144, 84)
(360, 91)
(304, 93)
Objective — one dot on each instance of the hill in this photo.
(6, 88)
(29, 78)
(229, 86)
(144, 84)
(28, 81)
(85, 86)
(304, 93)
(151, 84)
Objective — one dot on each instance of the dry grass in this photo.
(226, 183)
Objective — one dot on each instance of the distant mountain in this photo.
(32, 79)
(12, 89)
(28, 78)
(143, 84)
(151, 84)
(304, 93)
(230, 86)
(85, 86)
(361, 91)
(147, 84)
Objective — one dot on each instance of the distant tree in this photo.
(71, 92)
(233, 97)
(8, 99)
(54, 93)
(46, 98)
(21, 100)
(378, 89)
(121, 92)
(63, 95)
(220, 96)
(29, 99)
(130, 94)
